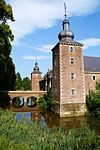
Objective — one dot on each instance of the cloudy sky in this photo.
(38, 23)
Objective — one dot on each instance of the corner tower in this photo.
(36, 76)
(68, 74)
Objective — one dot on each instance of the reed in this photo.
(28, 135)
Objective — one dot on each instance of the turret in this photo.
(36, 76)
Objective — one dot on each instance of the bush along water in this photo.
(93, 101)
(25, 135)
(47, 101)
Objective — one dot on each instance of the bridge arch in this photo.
(18, 101)
(31, 101)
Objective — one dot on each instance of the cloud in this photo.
(31, 15)
(29, 57)
(90, 42)
(45, 48)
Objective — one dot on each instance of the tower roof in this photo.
(66, 34)
(36, 69)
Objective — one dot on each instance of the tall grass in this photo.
(27, 135)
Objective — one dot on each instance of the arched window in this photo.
(94, 78)
(72, 60)
(71, 48)
(73, 76)
(73, 92)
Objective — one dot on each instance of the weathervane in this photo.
(65, 9)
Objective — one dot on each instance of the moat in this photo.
(50, 120)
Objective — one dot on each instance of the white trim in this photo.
(88, 72)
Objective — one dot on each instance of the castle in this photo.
(72, 74)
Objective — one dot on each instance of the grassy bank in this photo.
(26, 135)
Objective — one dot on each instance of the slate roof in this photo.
(91, 64)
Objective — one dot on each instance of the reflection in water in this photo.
(26, 115)
(51, 120)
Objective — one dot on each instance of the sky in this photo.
(38, 23)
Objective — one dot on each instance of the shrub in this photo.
(93, 101)
(47, 101)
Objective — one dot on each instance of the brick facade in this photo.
(35, 81)
(36, 76)
(68, 80)
(90, 80)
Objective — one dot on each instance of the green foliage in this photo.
(18, 83)
(22, 84)
(47, 101)
(7, 68)
(25, 135)
(7, 74)
(93, 101)
(26, 83)
(4, 100)
(5, 11)
(98, 85)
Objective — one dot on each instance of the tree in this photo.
(47, 101)
(26, 83)
(22, 84)
(93, 100)
(7, 68)
(5, 11)
(18, 82)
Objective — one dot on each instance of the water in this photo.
(51, 120)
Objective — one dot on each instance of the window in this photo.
(72, 76)
(93, 78)
(71, 48)
(73, 92)
(72, 60)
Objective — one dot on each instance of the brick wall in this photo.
(90, 80)
(35, 81)
(66, 70)
(55, 73)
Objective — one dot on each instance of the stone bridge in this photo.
(24, 94)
